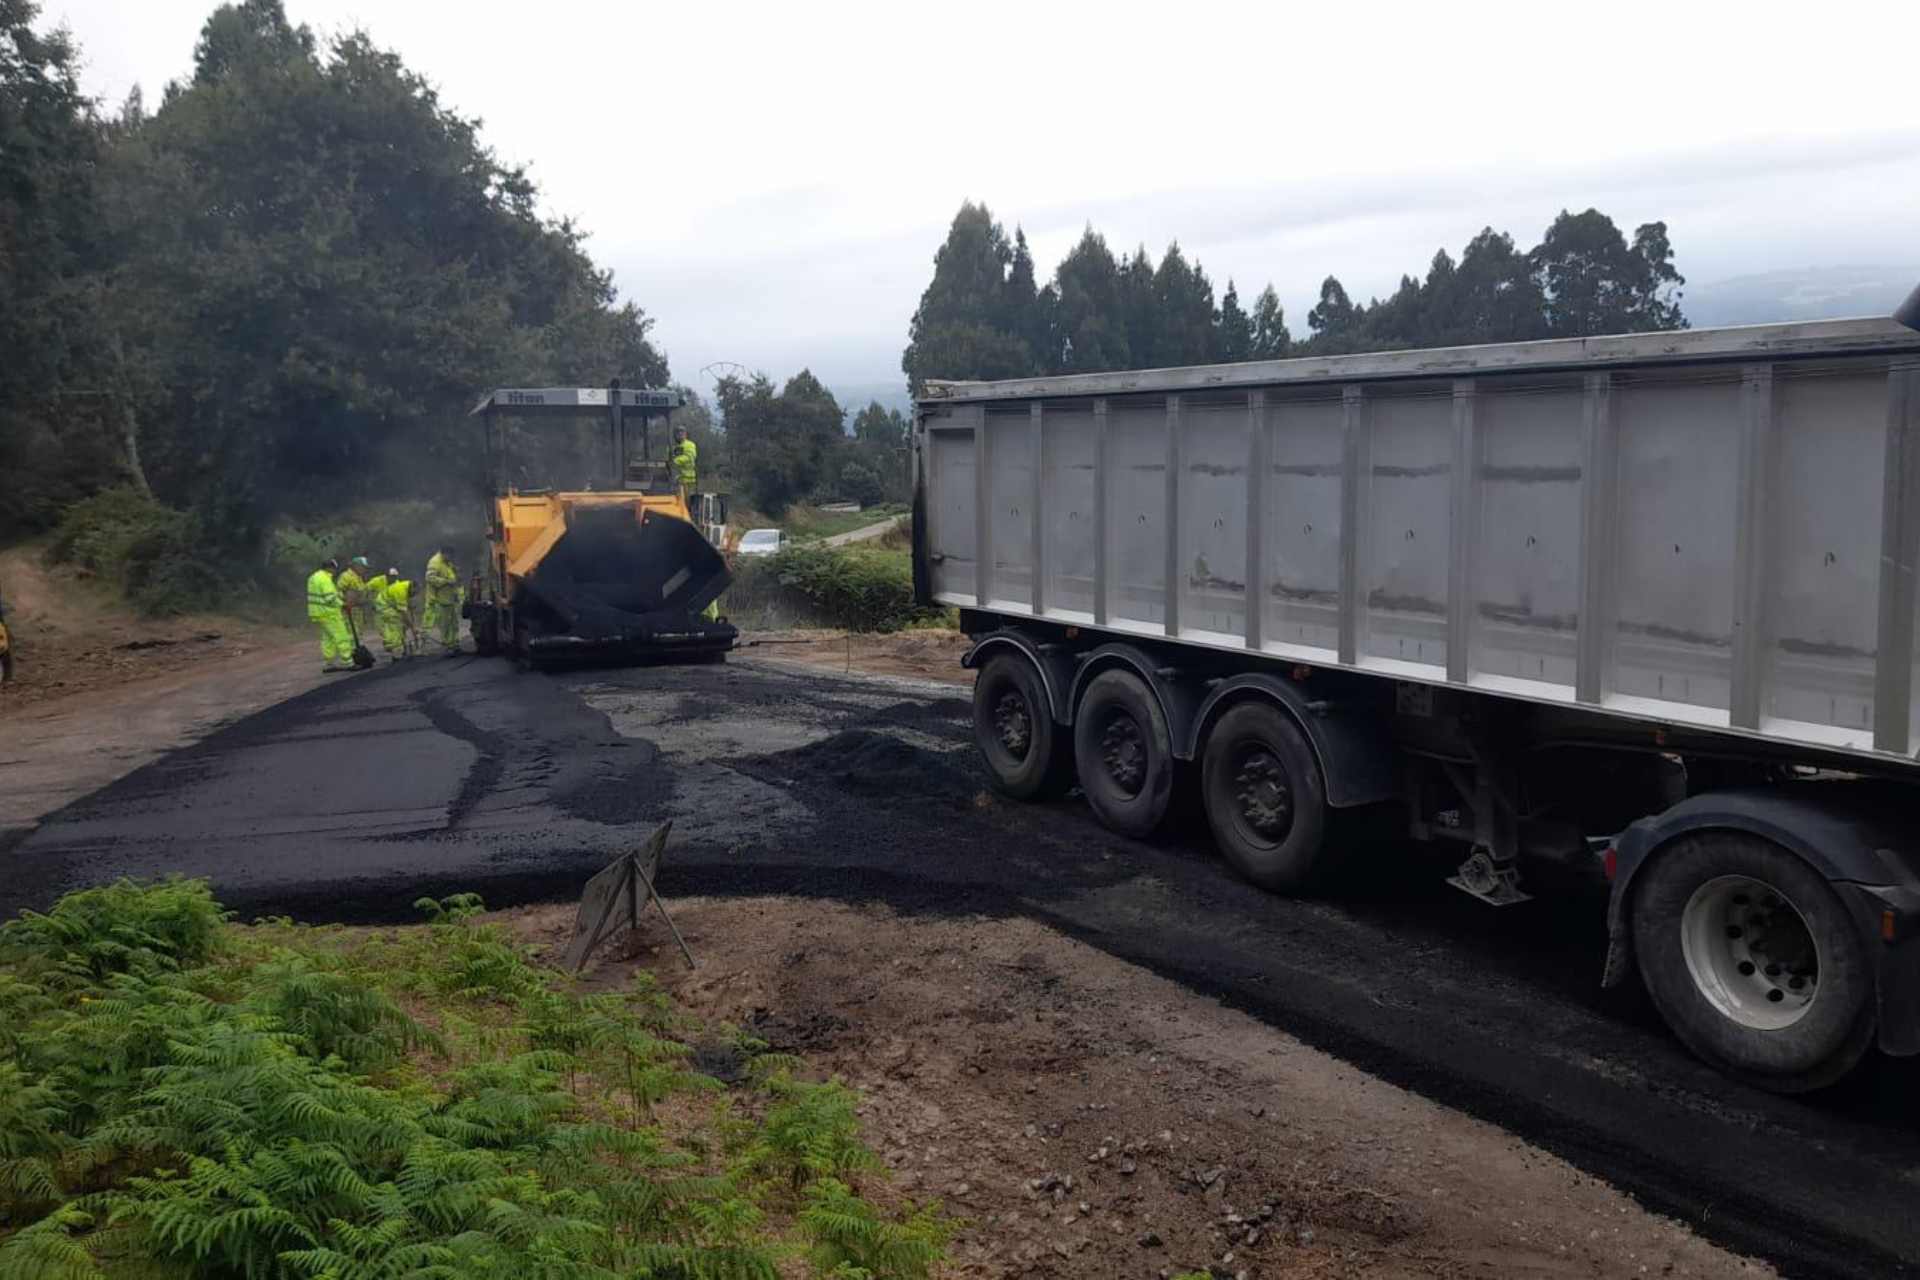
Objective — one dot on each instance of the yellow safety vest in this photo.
(442, 581)
(683, 457)
(323, 597)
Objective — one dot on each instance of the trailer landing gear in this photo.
(1491, 872)
(1493, 880)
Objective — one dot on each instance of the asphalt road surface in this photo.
(351, 801)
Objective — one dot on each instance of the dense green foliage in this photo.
(780, 440)
(150, 552)
(279, 291)
(790, 444)
(982, 317)
(56, 443)
(180, 1097)
(860, 588)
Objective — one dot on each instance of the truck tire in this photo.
(1025, 751)
(1753, 961)
(1123, 753)
(1264, 796)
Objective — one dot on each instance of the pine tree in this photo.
(1334, 320)
(1183, 311)
(1271, 341)
(961, 327)
(1089, 330)
(1233, 329)
(1140, 311)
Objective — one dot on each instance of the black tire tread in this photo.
(1143, 814)
(1839, 1028)
(1049, 764)
(1300, 860)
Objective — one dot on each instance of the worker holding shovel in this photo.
(443, 600)
(393, 605)
(325, 610)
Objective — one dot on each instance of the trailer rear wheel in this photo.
(1753, 961)
(1013, 726)
(1265, 798)
(1123, 753)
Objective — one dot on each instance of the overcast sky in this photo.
(770, 182)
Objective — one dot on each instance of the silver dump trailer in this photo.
(1636, 611)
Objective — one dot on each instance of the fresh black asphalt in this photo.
(350, 802)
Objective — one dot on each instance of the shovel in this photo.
(362, 656)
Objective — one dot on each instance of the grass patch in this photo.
(811, 522)
(181, 1096)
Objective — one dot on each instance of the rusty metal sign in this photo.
(615, 897)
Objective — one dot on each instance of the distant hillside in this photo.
(855, 396)
(1805, 293)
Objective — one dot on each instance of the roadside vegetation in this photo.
(180, 1096)
(144, 550)
(813, 522)
(163, 563)
(862, 587)
(807, 520)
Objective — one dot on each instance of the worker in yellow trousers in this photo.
(394, 604)
(684, 460)
(376, 585)
(354, 596)
(443, 601)
(324, 610)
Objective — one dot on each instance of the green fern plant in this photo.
(335, 1014)
(114, 929)
(180, 1099)
(811, 1131)
(724, 1245)
(851, 1237)
(32, 1115)
(473, 961)
(50, 1249)
(507, 1104)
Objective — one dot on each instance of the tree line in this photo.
(275, 295)
(278, 290)
(984, 315)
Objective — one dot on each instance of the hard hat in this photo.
(393, 573)
(362, 562)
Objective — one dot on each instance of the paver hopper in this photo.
(621, 574)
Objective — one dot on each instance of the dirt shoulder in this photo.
(70, 636)
(98, 692)
(1089, 1119)
(920, 654)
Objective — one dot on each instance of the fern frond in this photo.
(49, 1249)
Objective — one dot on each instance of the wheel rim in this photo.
(1262, 794)
(1013, 724)
(1123, 753)
(1750, 952)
